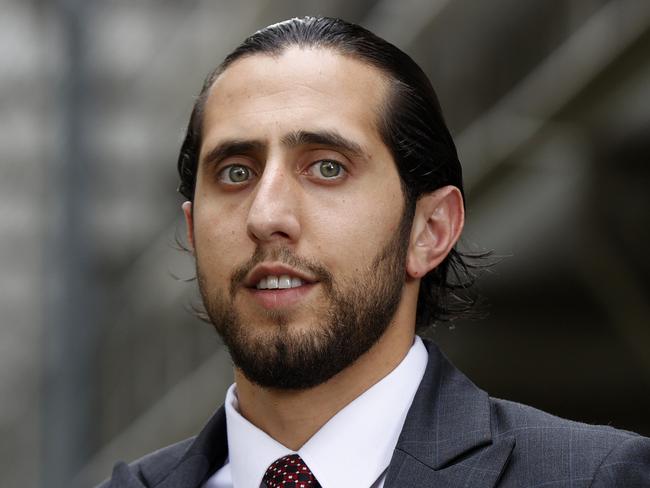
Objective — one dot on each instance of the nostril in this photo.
(281, 228)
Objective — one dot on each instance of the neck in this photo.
(293, 417)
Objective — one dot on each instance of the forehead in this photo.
(300, 89)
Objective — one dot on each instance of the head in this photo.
(313, 148)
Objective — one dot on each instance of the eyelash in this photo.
(342, 174)
(224, 172)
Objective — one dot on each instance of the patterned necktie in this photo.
(290, 472)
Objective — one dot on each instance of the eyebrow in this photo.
(232, 147)
(329, 138)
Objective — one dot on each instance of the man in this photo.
(324, 203)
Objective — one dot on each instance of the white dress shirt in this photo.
(353, 448)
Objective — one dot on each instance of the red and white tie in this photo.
(290, 472)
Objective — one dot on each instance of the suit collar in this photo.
(447, 431)
(449, 414)
(204, 455)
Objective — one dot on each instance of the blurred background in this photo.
(100, 359)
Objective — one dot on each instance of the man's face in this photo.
(298, 225)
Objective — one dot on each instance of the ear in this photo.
(437, 224)
(189, 223)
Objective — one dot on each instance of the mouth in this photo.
(275, 286)
(282, 282)
(277, 276)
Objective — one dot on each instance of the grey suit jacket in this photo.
(454, 436)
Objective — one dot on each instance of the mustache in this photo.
(285, 256)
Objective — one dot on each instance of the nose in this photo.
(273, 212)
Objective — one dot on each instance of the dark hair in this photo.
(411, 125)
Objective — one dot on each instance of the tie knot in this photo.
(290, 472)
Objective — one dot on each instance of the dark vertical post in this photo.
(71, 334)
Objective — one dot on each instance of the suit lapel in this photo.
(122, 477)
(446, 439)
(189, 473)
(203, 457)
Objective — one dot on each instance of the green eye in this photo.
(329, 169)
(238, 174)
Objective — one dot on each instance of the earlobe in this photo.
(189, 223)
(437, 225)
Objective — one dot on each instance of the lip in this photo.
(280, 298)
(277, 269)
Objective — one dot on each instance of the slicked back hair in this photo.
(410, 123)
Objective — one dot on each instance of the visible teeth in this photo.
(272, 282)
(262, 284)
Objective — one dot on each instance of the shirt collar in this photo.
(358, 441)
(250, 450)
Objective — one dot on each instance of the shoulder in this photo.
(184, 462)
(149, 469)
(553, 448)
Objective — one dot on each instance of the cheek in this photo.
(220, 243)
(350, 231)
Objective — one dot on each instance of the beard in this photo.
(354, 316)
